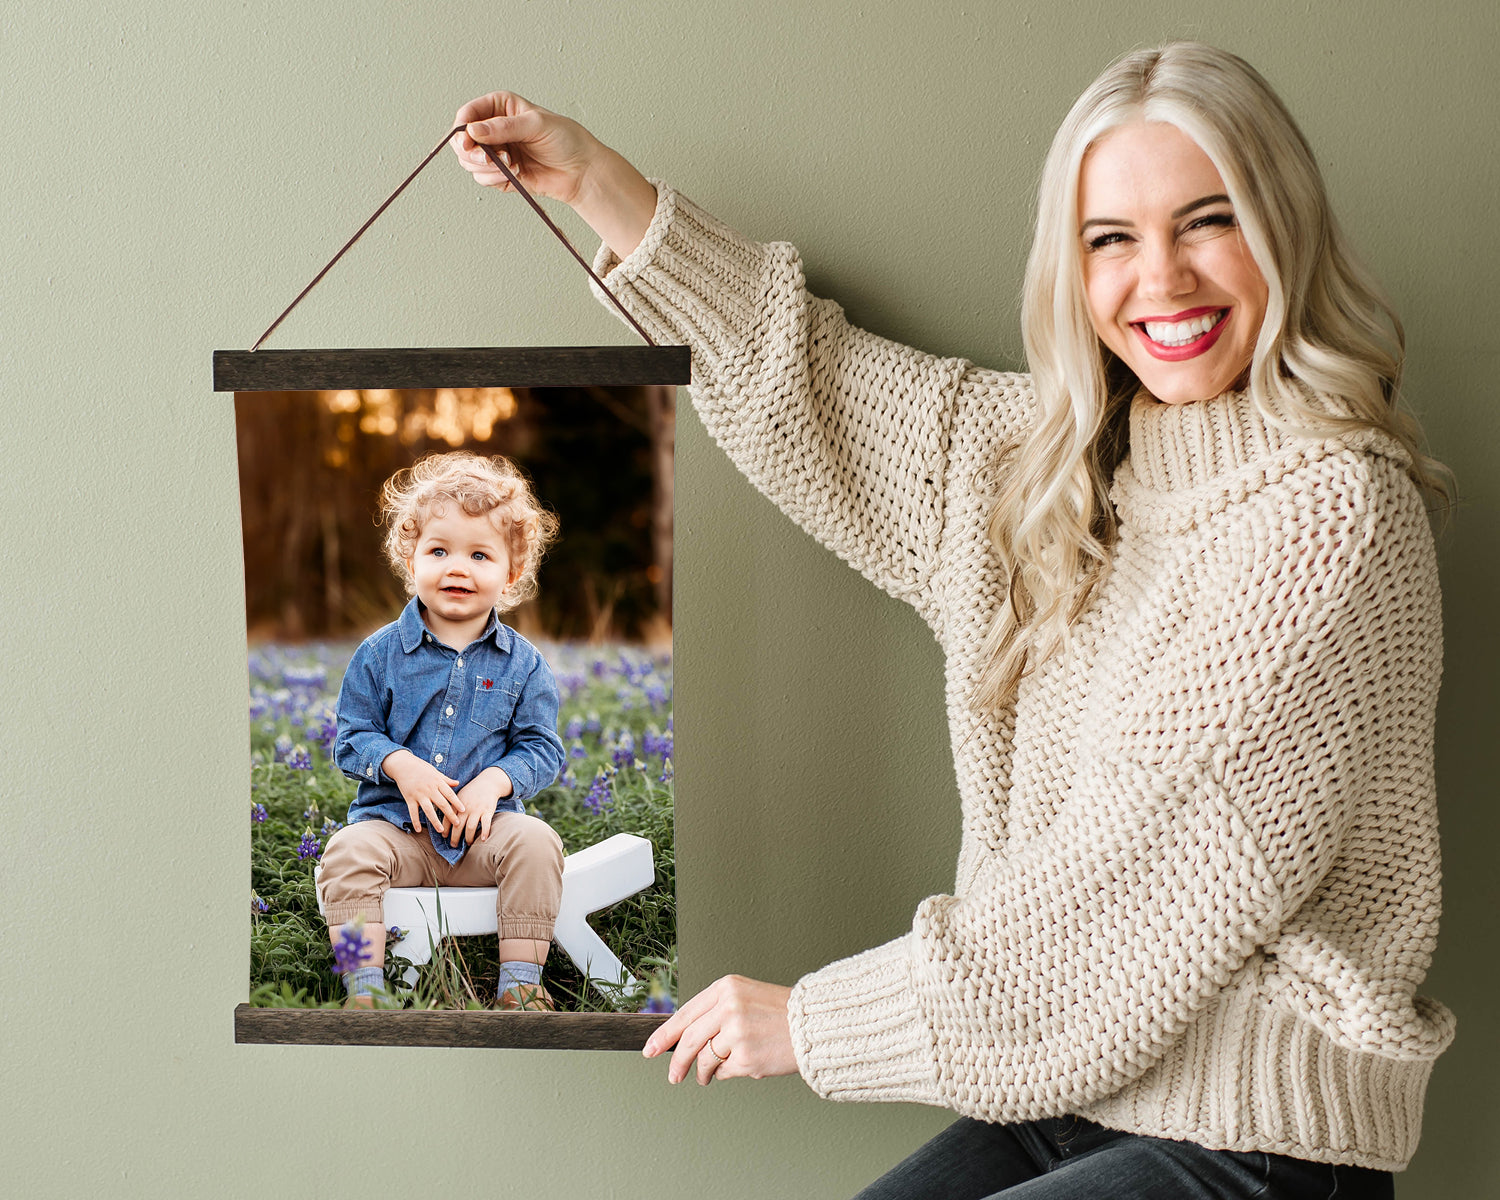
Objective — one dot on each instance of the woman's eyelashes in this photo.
(1119, 237)
(1220, 220)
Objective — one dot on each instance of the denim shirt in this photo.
(493, 704)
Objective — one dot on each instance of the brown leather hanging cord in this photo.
(514, 182)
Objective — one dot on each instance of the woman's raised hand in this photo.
(556, 157)
(549, 154)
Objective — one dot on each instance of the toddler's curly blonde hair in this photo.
(480, 486)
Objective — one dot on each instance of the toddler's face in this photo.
(460, 565)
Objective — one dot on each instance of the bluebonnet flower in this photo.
(599, 794)
(311, 814)
(666, 773)
(592, 724)
(569, 778)
(656, 694)
(660, 1000)
(657, 744)
(325, 731)
(261, 667)
(309, 678)
(259, 704)
(309, 846)
(577, 750)
(598, 668)
(625, 698)
(299, 759)
(258, 813)
(395, 933)
(574, 729)
(330, 826)
(350, 948)
(257, 905)
(624, 752)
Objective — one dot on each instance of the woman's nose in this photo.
(1165, 273)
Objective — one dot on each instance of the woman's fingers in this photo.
(691, 1050)
(710, 1061)
(667, 1033)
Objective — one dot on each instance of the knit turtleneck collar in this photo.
(1177, 447)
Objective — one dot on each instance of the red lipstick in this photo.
(1192, 349)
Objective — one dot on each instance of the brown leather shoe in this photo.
(525, 998)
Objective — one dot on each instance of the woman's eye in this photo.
(1214, 220)
(1104, 240)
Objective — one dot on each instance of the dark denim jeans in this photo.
(1067, 1157)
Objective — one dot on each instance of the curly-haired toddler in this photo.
(449, 714)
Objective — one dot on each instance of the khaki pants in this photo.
(523, 858)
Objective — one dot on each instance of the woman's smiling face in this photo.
(1171, 286)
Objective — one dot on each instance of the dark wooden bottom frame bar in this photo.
(497, 1030)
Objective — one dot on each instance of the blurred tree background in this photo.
(311, 465)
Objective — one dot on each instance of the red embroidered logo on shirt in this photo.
(488, 683)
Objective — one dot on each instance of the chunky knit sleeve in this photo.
(1234, 772)
(846, 432)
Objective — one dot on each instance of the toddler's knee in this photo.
(535, 838)
(353, 850)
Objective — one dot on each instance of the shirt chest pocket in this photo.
(494, 703)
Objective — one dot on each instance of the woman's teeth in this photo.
(1180, 333)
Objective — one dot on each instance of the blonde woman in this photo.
(1184, 580)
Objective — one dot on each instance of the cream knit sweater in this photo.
(1198, 883)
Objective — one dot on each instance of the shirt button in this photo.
(369, 770)
(460, 660)
(439, 758)
(450, 710)
(427, 637)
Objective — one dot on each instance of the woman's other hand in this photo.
(556, 157)
(734, 1027)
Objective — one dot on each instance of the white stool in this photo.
(593, 878)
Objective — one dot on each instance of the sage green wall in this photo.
(174, 173)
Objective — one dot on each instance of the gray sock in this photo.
(362, 981)
(519, 974)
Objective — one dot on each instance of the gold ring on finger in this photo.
(715, 1053)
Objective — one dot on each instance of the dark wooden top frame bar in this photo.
(467, 366)
(497, 1030)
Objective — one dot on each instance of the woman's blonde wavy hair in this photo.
(492, 487)
(1328, 327)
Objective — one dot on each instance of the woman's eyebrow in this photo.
(1203, 202)
(1220, 198)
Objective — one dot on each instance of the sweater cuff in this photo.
(858, 1033)
(694, 281)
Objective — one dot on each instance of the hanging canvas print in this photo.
(458, 583)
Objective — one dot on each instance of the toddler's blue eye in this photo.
(480, 555)
(438, 552)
